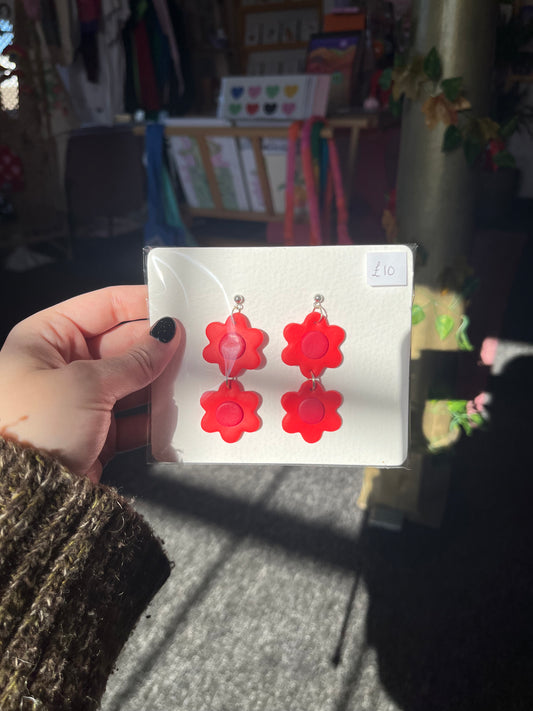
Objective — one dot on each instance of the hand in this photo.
(67, 370)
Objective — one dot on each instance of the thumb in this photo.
(143, 363)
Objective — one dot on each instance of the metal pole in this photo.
(435, 209)
(436, 190)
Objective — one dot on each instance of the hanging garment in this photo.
(149, 99)
(158, 70)
(165, 22)
(89, 10)
(97, 103)
(11, 172)
(164, 226)
(89, 13)
(33, 9)
(50, 24)
(69, 30)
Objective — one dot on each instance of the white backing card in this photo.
(197, 286)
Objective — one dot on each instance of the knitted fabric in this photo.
(77, 567)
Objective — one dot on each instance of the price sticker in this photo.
(386, 268)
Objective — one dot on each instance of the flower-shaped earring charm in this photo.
(233, 346)
(313, 346)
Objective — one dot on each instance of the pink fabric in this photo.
(333, 186)
(89, 10)
(488, 351)
(11, 172)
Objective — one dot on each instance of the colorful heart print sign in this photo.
(291, 90)
(286, 98)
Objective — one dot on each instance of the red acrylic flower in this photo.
(313, 345)
(233, 345)
(231, 411)
(311, 411)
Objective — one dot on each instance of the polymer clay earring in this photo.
(313, 346)
(233, 346)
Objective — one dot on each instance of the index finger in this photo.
(98, 311)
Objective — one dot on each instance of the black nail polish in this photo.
(164, 329)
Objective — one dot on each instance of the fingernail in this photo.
(164, 329)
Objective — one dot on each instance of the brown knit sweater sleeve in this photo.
(77, 568)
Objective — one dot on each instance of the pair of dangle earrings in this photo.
(313, 346)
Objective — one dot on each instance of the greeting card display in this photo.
(224, 155)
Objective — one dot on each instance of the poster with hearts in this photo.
(289, 97)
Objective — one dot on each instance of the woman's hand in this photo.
(67, 370)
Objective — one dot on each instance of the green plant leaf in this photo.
(409, 79)
(453, 138)
(465, 424)
(457, 407)
(473, 148)
(476, 418)
(433, 65)
(417, 314)
(509, 128)
(504, 159)
(488, 129)
(385, 80)
(444, 325)
(463, 342)
(399, 60)
(470, 286)
(451, 88)
(395, 107)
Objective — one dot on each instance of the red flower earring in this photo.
(233, 346)
(313, 346)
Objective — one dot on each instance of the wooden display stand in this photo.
(352, 124)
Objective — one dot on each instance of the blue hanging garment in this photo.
(164, 226)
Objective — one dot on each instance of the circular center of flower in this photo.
(314, 345)
(229, 414)
(311, 411)
(232, 346)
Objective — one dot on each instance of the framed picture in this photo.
(338, 54)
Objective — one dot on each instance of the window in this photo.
(9, 84)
